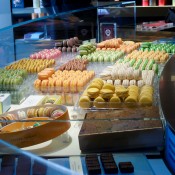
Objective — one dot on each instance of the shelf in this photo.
(152, 11)
(27, 10)
(165, 6)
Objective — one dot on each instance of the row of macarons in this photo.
(98, 92)
(45, 111)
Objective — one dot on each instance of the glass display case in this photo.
(84, 94)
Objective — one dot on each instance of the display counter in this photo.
(82, 94)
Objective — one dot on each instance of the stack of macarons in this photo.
(133, 93)
(120, 71)
(99, 95)
(46, 54)
(46, 73)
(45, 111)
(32, 65)
(148, 77)
(116, 44)
(69, 45)
(86, 48)
(121, 92)
(111, 43)
(158, 56)
(105, 95)
(128, 47)
(146, 95)
(7, 119)
(75, 64)
(64, 81)
(102, 56)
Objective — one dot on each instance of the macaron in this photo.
(109, 86)
(98, 80)
(117, 82)
(125, 83)
(22, 115)
(47, 111)
(132, 82)
(31, 113)
(145, 100)
(140, 83)
(65, 43)
(57, 113)
(106, 93)
(85, 102)
(93, 92)
(99, 102)
(114, 102)
(95, 85)
(41, 112)
(121, 91)
(110, 81)
(131, 99)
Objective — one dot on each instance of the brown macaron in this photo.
(65, 43)
(69, 49)
(64, 49)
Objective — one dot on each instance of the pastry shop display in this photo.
(167, 47)
(75, 64)
(103, 56)
(69, 45)
(157, 56)
(106, 95)
(117, 44)
(31, 65)
(30, 130)
(46, 54)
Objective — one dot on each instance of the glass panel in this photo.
(16, 161)
(7, 47)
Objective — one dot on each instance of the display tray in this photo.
(114, 105)
(28, 126)
(121, 130)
